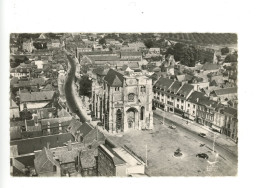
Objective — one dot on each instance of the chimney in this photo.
(69, 145)
(48, 145)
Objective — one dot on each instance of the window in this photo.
(194, 106)
(188, 105)
(178, 100)
(143, 89)
(142, 113)
(182, 107)
(116, 88)
(193, 112)
(172, 98)
(131, 97)
(178, 106)
(182, 101)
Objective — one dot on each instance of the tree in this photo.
(148, 43)
(102, 41)
(224, 51)
(85, 86)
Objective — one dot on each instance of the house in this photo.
(160, 89)
(45, 164)
(28, 46)
(14, 110)
(36, 100)
(55, 125)
(205, 111)
(181, 99)
(20, 72)
(231, 123)
(88, 162)
(192, 104)
(224, 94)
(118, 162)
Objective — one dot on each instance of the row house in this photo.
(231, 123)
(20, 72)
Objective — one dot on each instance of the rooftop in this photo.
(36, 96)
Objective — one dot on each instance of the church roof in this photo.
(114, 78)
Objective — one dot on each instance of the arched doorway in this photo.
(132, 118)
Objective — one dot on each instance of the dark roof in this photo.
(15, 132)
(46, 113)
(175, 87)
(73, 126)
(84, 129)
(196, 96)
(185, 90)
(226, 91)
(114, 78)
(31, 144)
(105, 58)
(41, 159)
(164, 83)
(96, 53)
(131, 54)
(100, 71)
(205, 101)
(210, 66)
(36, 96)
(87, 158)
(115, 157)
(230, 110)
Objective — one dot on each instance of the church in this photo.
(122, 100)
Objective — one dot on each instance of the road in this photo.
(70, 98)
(224, 152)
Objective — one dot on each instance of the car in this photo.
(202, 155)
(172, 127)
(202, 135)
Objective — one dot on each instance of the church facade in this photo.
(123, 101)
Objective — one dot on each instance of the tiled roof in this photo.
(112, 154)
(196, 96)
(31, 144)
(185, 90)
(210, 66)
(87, 158)
(15, 132)
(73, 126)
(84, 129)
(114, 78)
(54, 122)
(41, 159)
(230, 110)
(36, 96)
(131, 54)
(226, 91)
(105, 58)
(164, 83)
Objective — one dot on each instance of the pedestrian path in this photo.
(195, 127)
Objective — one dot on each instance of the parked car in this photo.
(172, 127)
(202, 155)
(202, 135)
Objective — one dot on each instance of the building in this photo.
(210, 68)
(20, 72)
(224, 94)
(123, 101)
(180, 101)
(28, 46)
(231, 123)
(14, 110)
(192, 104)
(121, 162)
(36, 100)
(137, 56)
